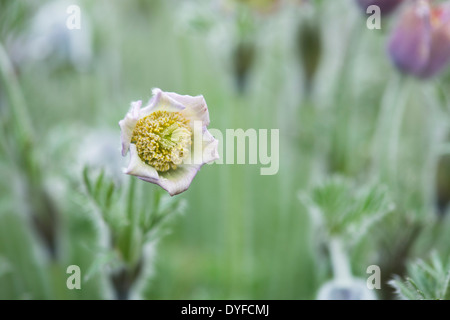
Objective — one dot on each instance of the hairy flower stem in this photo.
(17, 106)
(339, 260)
(396, 128)
(433, 191)
(388, 129)
(130, 248)
(20, 143)
(134, 248)
(341, 151)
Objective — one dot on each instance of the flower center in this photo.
(162, 139)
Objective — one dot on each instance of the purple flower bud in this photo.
(386, 6)
(420, 43)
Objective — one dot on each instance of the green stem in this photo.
(17, 106)
(3, 141)
(129, 231)
(341, 150)
(130, 198)
(339, 260)
(388, 130)
(124, 279)
(18, 128)
(438, 128)
(397, 121)
(382, 125)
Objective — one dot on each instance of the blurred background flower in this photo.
(420, 43)
(46, 39)
(354, 289)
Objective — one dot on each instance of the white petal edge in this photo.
(196, 108)
(127, 125)
(203, 151)
(161, 102)
(137, 167)
(210, 148)
(176, 181)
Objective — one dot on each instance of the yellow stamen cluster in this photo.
(162, 139)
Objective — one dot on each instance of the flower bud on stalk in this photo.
(420, 43)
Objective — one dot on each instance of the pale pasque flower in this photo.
(420, 43)
(168, 140)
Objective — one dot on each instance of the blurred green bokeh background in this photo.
(313, 71)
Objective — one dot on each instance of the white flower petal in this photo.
(176, 181)
(196, 108)
(210, 148)
(161, 101)
(204, 148)
(127, 125)
(138, 168)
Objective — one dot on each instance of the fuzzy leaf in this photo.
(346, 209)
(425, 281)
(98, 265)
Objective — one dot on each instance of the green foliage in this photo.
(341, 208)
(425, 280)
(243, 235)
(128, 212)
(134, 219)
(14, 16)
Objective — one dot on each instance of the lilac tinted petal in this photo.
(440, 47)
(137, 167)
(196, 108)
(176, 181)
(127, 125)
(409, 44)
(161, 101)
